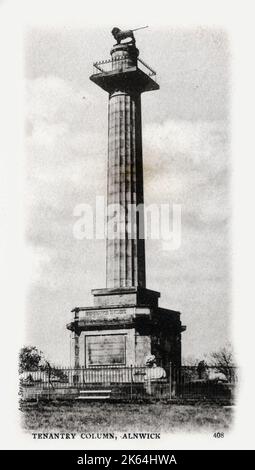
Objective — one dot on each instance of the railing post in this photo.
(170, 380)
(49, 381)
(131, 382)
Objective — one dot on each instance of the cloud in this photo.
(196, 142)
(54, 100)
(64, 152)
(189, 162)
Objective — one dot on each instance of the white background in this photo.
(238, 18)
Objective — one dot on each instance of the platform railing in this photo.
(122, 63)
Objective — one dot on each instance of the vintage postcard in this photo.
(128, 333)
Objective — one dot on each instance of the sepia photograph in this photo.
(128, 225)
(126, 334)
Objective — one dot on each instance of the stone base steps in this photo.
(95, 394)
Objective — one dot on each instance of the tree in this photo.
(53, 371)
(30, 359)
(223, 361)
(190, 361)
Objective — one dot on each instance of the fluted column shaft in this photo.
(125, 251)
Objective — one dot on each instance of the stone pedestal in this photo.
(124, 327)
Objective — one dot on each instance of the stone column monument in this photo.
(125, 325)
(125, 255)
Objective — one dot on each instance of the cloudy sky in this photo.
(186, 161)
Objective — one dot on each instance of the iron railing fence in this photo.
(65, 377)
(121, 64)
(211, 382)
(186, 382)
(186, 374)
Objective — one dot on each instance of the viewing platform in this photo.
(122, 70)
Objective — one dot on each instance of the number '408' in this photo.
(218, 434)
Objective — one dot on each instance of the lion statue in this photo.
(120, 35)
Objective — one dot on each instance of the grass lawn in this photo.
(102, 417)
